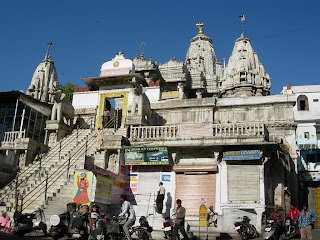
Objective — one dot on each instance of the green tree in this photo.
(68, 90)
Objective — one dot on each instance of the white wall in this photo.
(85, 100)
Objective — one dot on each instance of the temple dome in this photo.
(117, 66)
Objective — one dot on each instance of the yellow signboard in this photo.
(318, 205)
(103, 189)
(82, 187)
(168, 95)
(203, 216)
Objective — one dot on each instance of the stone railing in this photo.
(11, 136)
(229, 130)
(240, 129)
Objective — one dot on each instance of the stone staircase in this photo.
(32, 181)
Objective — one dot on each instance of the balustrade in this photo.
(228, 130)
(11, 136)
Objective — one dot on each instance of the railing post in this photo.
(16, 191)
(69, 165)
(86, 145)
(60, 151)
(40, 167)
(46, 189)
(77, 135)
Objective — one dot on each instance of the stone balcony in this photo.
(202, 134)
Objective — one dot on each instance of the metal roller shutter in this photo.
(243, 184)
(190, 189)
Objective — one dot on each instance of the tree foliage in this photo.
(68, 90)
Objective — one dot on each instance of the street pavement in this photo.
(34, 236)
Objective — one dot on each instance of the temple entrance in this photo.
(112, 106)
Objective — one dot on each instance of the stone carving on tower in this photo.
(147, 68)
(44, 82)
(202, 65)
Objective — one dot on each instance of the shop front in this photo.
(147, 167)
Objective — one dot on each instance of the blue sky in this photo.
(85, 34)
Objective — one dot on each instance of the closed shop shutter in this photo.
(191, 188)
(148, 185)
(243, 184)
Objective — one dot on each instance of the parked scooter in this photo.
(270, 230)
(28, 222)
(245, 229)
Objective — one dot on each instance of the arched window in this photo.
(302, 103)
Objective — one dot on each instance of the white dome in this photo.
(117, 66)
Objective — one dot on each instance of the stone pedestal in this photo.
(136, 120)
(56, 130)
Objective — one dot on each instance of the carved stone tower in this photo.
(202, 65)
(245, 75)
(44, 82)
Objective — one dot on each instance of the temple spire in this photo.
(242, 18)
(142, 51)
(47, 53)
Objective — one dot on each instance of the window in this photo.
(313, 157)
(306, 135)
(318, 135)
(316, 100)
(302, 103)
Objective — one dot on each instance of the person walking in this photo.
(306, 219)
(127, 214)
(99, 136)
(179, 222)
(160, 197)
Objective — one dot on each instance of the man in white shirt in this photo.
(160, 197)
(127, 212)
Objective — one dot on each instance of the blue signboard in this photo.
(242, 155)
(166, 178)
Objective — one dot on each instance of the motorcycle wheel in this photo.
(56, 238)
(256, 234)
(143, 235)
(110, 237)
(44, 232)
(243, 236)
(21, 234)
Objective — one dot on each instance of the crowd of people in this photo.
(304, 220)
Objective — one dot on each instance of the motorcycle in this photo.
(168, 225)
(23, 222)
(72, 223)
(245, 229)
(291, 229)
(270, 230)
(59, 225)
(115, 231)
